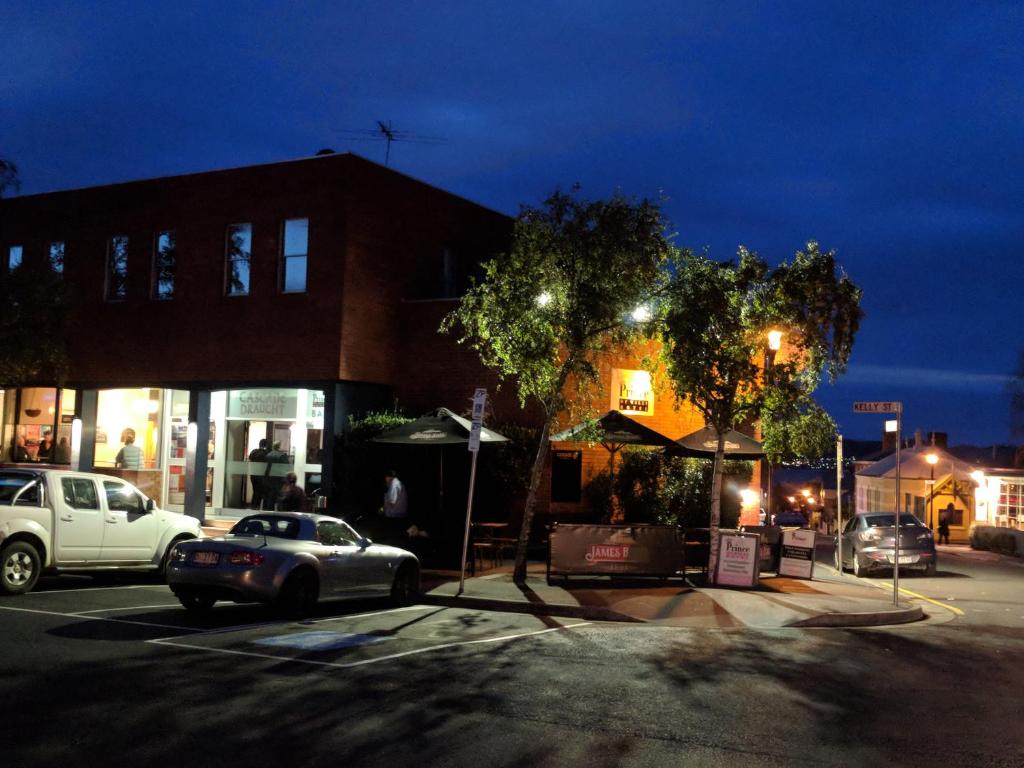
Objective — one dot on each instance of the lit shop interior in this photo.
(290, 420)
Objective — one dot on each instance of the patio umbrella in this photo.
(439, 427)
(613, 431)
(703, 443)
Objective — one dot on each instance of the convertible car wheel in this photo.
(299, 594)
(196, 603)
(406, 586)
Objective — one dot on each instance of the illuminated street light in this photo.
(805, 492)
(932, 459)
(748, 497)
(774, 344)
(978, 476)
(642, 314)
(774, 340)
(544, 299)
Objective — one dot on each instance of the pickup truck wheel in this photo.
(196, 603)
(19, 568)
(298, 595)
(406, 586)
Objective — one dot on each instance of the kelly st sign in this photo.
(878, 406)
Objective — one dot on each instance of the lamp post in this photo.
(774, 345)
(932, 460)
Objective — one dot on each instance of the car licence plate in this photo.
(905, 559)
(206, 558)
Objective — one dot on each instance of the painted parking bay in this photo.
(369, 638)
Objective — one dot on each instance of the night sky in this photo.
(894, 136)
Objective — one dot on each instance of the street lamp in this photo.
(774, 345)
(932, 459)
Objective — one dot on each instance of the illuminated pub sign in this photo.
(632, 392)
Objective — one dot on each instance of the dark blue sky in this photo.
(894, 135)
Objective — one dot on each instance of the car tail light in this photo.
(871, 534)
(924, 536)
(245, 558)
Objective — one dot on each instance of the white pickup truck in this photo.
(52, 520)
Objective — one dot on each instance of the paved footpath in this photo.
(829, 600)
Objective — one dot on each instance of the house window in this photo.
(14, 257)
(164, 259)
(293, 255)
(57, 257)
(566, 474)
(117, 268)
(239, 255)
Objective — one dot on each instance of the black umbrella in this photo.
(613, 431)
(440, 427)
(703, 444)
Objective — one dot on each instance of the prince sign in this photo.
(738, 560)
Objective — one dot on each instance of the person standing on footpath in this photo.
(944, 517)
(396, 504)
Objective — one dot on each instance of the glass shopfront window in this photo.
(128, 417)
(37, 424)
(268, 433)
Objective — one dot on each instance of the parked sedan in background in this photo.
(290, 559)
(869, 540)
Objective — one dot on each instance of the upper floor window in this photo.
(57, 257)
(165, 256)
(238, 257)
(117, 268)
(293, 255)
(14, 256)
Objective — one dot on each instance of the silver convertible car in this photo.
(289, 559)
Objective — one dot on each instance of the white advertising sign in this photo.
(479, 401)
(797, 553)
(738, 560)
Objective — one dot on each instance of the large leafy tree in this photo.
(32, 308)
(716, 319)
(563, 295)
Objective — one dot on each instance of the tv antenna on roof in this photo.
(385, 132)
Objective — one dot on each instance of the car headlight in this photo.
(178, 555)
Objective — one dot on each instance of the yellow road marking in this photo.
(951, 608)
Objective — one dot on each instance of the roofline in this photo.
(351, 155)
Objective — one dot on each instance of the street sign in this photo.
(798, 553)
(479, 401)
(878, 406)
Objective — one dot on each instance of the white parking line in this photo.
(96, 618)
(127, 608)
(96, 589)
(169, 642)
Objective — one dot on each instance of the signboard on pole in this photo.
(798, 553)
(878, 406)
(739, 558)
(479, 401)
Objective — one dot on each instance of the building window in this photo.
(57, 257)
(14, 256)
(239, 256)
(566, 475)
(165, 256)
(293, 255)
(117, 268)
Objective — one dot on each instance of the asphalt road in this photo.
(112, 672)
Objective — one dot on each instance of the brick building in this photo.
(268, 302)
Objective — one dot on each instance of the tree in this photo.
(562, 296)
(8, 176)
(715, 323)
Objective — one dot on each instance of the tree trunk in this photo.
(716, 505)
(519, 572)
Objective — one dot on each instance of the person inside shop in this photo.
(258, 455)
(45, 450)
(20, 452)
(292, 497)
(396, 505)
(271, 484)
(62, 453)
(130, 456)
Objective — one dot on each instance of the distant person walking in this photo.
(130, 456)
(945, 517)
